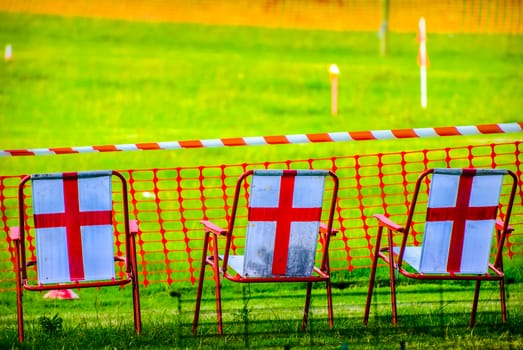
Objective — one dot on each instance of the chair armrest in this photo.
(133, 226)
(500, 223)
(385, 221)
(133, 230)
(14, 233)
(324, 229)
(213, 228)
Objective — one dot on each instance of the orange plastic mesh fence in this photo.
(463, 16)
(169, 204)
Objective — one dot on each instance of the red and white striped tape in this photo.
(279, 139)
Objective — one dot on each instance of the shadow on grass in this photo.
(254, 319)
(413, 331)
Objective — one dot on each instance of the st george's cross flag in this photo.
(73, 222)
(284, 218)
(460, 222)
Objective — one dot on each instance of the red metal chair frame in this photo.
(214, 233)
(18, 235)
(396, 261)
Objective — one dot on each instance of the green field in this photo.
(79, 82)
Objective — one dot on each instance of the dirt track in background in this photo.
(454, 16)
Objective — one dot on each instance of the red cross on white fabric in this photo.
(72, 219)
(459, 215)
(284, 215)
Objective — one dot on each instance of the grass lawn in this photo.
(430, 315)
(78, 82)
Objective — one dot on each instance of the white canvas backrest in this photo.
(284, 219)
(461, 216)
(73, 222)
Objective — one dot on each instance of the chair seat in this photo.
(236, 263)
(412, 256)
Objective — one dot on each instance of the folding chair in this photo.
(73, 227)
(284, 209)
(460, 221)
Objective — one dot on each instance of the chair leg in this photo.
(136, 290)
(475, 304)
(136, 306)
(19, 309)
(370, 290)
(198, 299)
(218, 298)
(307, 306)
(200, 284)
(502, 287)
(372, 277)
(19, 293)
(216, 271)
(392, 281)
(329, 303)
(502, 298)
(393, 294)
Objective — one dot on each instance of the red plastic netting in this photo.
(169, 204)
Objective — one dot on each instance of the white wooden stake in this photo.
(8, 54)
(423, 82)
(334, 72)
(423, 61)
